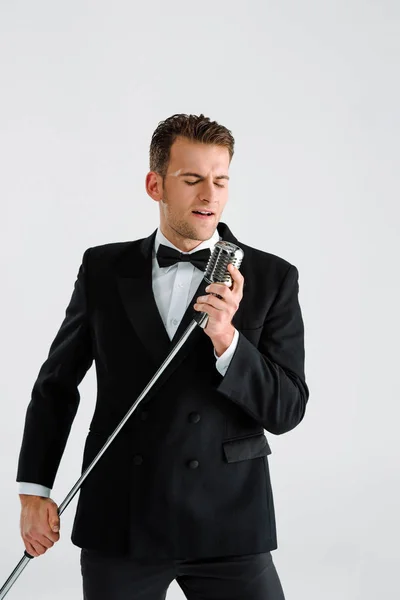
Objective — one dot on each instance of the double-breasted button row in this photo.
(193, 417)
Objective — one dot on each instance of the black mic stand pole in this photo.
(199, 319)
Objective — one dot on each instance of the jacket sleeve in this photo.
(55, 396)
(268, 381)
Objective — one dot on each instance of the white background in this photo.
(310, 91)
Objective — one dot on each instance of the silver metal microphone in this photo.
(224, 253)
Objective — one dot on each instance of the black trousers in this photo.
(248, 577)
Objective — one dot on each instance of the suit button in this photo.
(143, 415)
(193, 464)
(194, 417)
(137, 459)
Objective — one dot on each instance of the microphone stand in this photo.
(199, 319)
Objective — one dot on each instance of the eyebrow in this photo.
(189, 174)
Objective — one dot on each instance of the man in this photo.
(183, 492)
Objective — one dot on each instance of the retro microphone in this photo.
(216, 271)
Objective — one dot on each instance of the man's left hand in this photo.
(221, 310)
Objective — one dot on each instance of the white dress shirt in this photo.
(173, 288)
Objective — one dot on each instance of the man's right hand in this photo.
(39, 524)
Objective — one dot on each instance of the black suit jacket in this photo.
(188, 475)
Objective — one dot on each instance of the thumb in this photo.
(54, 520)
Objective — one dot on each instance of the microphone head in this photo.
(217, 266)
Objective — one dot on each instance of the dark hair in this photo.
(193, 127)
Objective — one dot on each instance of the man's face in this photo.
(197, 179)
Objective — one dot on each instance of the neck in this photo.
(184, 244)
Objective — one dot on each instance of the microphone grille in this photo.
(217, 266)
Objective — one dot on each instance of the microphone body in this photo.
(224, 253)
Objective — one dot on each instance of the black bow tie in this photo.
(167, 256)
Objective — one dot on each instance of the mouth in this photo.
(202, 214)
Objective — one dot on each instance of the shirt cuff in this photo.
(34, 489)
(224, 360)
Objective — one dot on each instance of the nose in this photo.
(208, 191)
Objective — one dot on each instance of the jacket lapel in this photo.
(134, 279)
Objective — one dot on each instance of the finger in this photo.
(238, 281)
(30, 549)
(51, 535)
(54, 519)
(43, 540)
(219, 316)
(235, 274)
(201, 307)
(218, 288)
(38, 548)
(207, 308)
(212, 301)
(229, 304)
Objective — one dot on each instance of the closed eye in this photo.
(194, 183)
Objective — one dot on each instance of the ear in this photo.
(154, 186)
